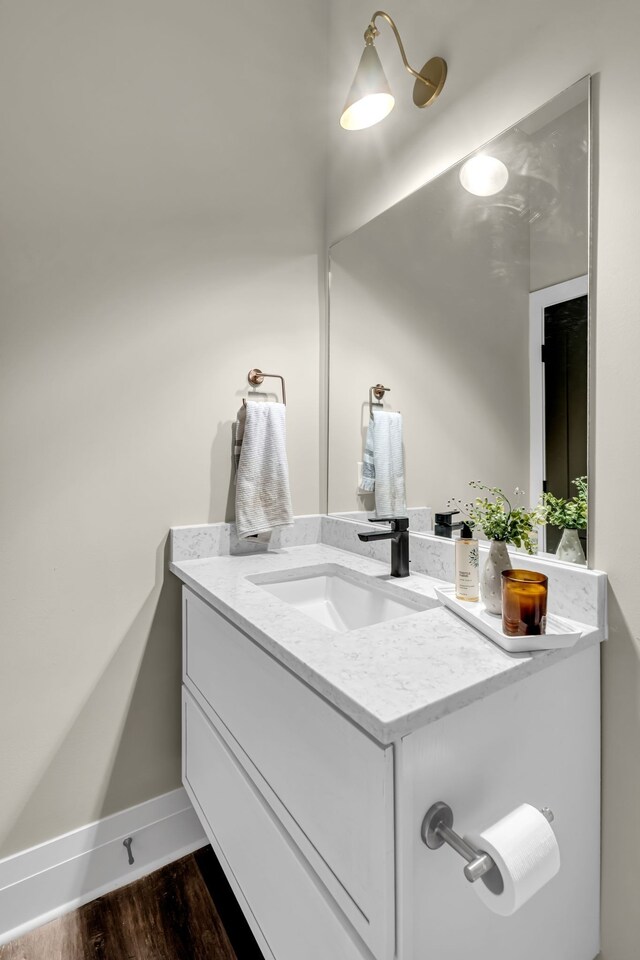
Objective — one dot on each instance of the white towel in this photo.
(263, 500)
(388, 464)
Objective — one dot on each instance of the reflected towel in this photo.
(388, 463)
(263, 501)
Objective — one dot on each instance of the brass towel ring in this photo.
(256, 377)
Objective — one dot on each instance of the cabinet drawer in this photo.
(335, 783)
(287, 906)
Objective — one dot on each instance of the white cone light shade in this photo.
(369, 99)
(483, 176)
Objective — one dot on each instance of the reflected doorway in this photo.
(559, 389)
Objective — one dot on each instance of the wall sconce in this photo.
(370, 98)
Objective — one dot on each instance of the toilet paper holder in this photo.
(437, 829)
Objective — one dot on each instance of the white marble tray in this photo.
(560, 632)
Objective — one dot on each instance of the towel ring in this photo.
(378, 392)
(256, 377)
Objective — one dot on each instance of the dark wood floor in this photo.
(185, 911)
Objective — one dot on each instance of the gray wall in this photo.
(162, 233)
(505, 60)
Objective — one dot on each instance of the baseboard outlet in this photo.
(44, 882)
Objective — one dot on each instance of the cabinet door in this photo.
(286, 906)
(332, 783)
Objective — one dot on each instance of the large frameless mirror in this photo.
(468, 301)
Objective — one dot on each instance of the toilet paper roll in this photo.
(525, 850)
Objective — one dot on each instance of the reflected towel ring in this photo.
(378, 392)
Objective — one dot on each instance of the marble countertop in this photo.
(390, 678)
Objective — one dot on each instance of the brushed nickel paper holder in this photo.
(437, 829)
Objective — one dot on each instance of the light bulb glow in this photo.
(483, 176)
(367, 111)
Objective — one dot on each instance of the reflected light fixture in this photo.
(483, 176)
(370, 98)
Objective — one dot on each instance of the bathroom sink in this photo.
(342, 599)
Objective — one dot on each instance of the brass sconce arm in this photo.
(372, 32)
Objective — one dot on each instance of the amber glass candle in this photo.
(524, 603)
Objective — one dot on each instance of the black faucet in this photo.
(399, 536)
(444, 525)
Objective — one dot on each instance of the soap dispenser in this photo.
(467, 565)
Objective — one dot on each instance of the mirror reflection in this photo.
(468, 302)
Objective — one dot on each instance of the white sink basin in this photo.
(342, 599)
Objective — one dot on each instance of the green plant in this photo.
(571, 514)
(499, 519)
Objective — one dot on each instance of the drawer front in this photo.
(334, 782)
(287, 905)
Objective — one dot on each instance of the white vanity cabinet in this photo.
(261, 748)
(317, 824)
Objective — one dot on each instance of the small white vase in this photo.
(491, 580)
(570, 547)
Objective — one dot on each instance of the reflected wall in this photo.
(433, 299)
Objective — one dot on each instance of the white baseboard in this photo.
(46, 881)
